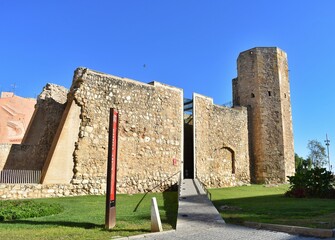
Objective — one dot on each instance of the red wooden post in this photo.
(110, 219)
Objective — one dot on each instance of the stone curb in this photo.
(312, 232)
(149, 234)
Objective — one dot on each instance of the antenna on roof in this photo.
(13, 87)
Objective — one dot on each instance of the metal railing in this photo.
(12, 176)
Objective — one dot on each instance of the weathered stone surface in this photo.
(48, 113)
(150, 131)
(22, 191)
(53, 92)
(263, 87)
(221, 144)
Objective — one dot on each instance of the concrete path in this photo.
(198, 219)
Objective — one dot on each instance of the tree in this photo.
(298, 162)
(301, 164)
(317, 153)
(307, 163)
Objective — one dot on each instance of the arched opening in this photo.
(232, 157)
(223, 161)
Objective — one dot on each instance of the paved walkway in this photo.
(198, 219)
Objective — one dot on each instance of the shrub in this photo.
(11, 210)
(316, 182)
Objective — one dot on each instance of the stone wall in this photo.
(21, 156)
(150, 136)
(32, 153)
(150, 131)
(23, 191)
(48, 113)
(221, 144)
(263, 86)
(285, 97)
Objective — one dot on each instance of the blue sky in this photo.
(190, 44)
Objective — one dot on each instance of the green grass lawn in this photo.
(258, 203)
(84, 218)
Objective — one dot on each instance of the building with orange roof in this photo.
(15, 115)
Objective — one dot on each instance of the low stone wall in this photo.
(25, 191)
(83, 187)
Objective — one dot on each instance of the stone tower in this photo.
(263, 87)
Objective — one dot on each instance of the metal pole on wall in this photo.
(327, 141)
(110, 217)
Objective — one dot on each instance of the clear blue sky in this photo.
(185, 43)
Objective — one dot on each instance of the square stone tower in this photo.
(263, 87)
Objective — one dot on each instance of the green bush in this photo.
(316, 182)
(11, 210)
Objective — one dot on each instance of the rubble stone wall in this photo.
(48, 112)
(23, 191)
(221, 144)
(150, 131)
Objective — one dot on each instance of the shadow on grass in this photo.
(170, 206)
(309, 212)
(158, 185)
(84, 225)
(170, 201)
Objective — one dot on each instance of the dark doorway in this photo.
(188, 148)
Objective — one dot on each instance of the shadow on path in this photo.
(171, 206)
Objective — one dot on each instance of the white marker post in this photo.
(156, 224)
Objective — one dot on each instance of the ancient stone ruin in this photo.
(162, 137)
